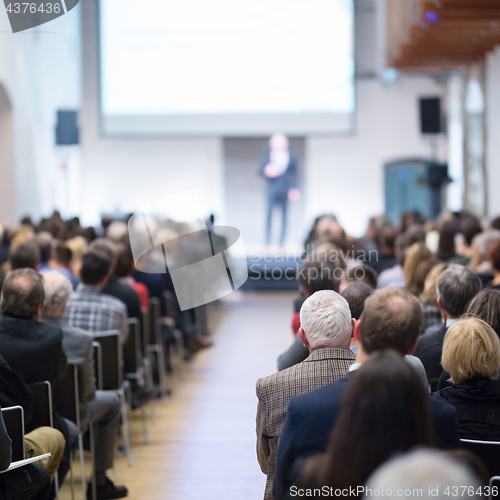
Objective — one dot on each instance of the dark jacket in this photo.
(279, 186)
(126, 294)
(429, 350)
(477, 403)
(32, 349)
(309, 422)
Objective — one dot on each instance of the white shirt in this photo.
(280, 158)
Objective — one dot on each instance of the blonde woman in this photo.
(428, 297)
(416, 254)
(471, 355)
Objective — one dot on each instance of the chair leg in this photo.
(126, 432)
(157, 349)
(72, 479)
(82, 463)
(92, 459)
(150, 385)
(56, 482)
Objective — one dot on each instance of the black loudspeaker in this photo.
(67, 133)
(430, 115)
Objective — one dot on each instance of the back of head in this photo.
(391, 319)
(469, 227)
(416, 254)
(421, 473)
(22, 294)
(124, 262)
(57, 290)
(63, 254)
(359, 272)
(385, 410)
(25, 256)
(326, 319)
(117, 230)
(103, 246)
(486, 306)
(429, 293)
(44, 241)
(95, 268)
(471, 349)
(456, 287)
(446, 247)
(320, 274)
(355, 295)
(494, 256)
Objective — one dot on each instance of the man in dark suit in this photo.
(390, 320)
(456, 287)
(32, 349)
(279, 167)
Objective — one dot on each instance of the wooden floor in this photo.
(202, 446)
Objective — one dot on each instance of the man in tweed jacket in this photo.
(326, 329)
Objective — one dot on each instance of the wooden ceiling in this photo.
(448, 35)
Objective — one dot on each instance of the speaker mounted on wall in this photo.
(67, 132)
(430, 115)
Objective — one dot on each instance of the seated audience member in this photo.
(326, 330)
(31, 348)
(385, 411)
(60, 261)
(456, 287)
(100, 407)
(469, 227)
(486, 306)
(123, 271)
(113, 287)
(429, 472)
(415, 255)
(44, 242)
(355, 295)
(446, 246)
(428, 298)
(394, 276)
(495, 265)
(4, 248)
(390, 320)
(471, 355)
(480, 260)
(25, 256)
(358, 272)
(88, 307)
(31, 482)
(78, 247)
(386, 241)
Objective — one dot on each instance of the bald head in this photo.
(22, 294)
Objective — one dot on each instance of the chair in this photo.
(97, 349)
(43, 413)
(173, 333)
(67, 404)
(13, 417)
(133, 360)
(489, 453)
(112, 377)
(155, 346)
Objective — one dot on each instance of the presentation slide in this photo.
(226, 66)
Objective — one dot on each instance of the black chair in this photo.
(171, 332)
(13, 417)
(489, 453)
(155, 347)
(67, 403)
(97, 349)
(113, 377)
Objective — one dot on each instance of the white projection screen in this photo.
(226, 67)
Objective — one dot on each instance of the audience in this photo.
(456, 287)
(415, 255)
(390, 320)
(471, 355)
(100, 407)
(424, 474)
(88, 307)
(385, 411)
(428, 298)
(326, 331)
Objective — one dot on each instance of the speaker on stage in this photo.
(430, 115)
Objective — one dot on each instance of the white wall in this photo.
(40, 71)
(493, 131)
(346, 175)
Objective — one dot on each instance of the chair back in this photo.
(487, 451)
(97, 349)
(67, 396)
(42, 405)
(154, 320)
(13, 417)
(145, 329)
(132, 347)
(112, 359)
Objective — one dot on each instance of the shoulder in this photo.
(439, 402)
(113, 303)
(78, 333)
(325, 396)
(48, 331)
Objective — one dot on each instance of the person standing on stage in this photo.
(279, 167)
